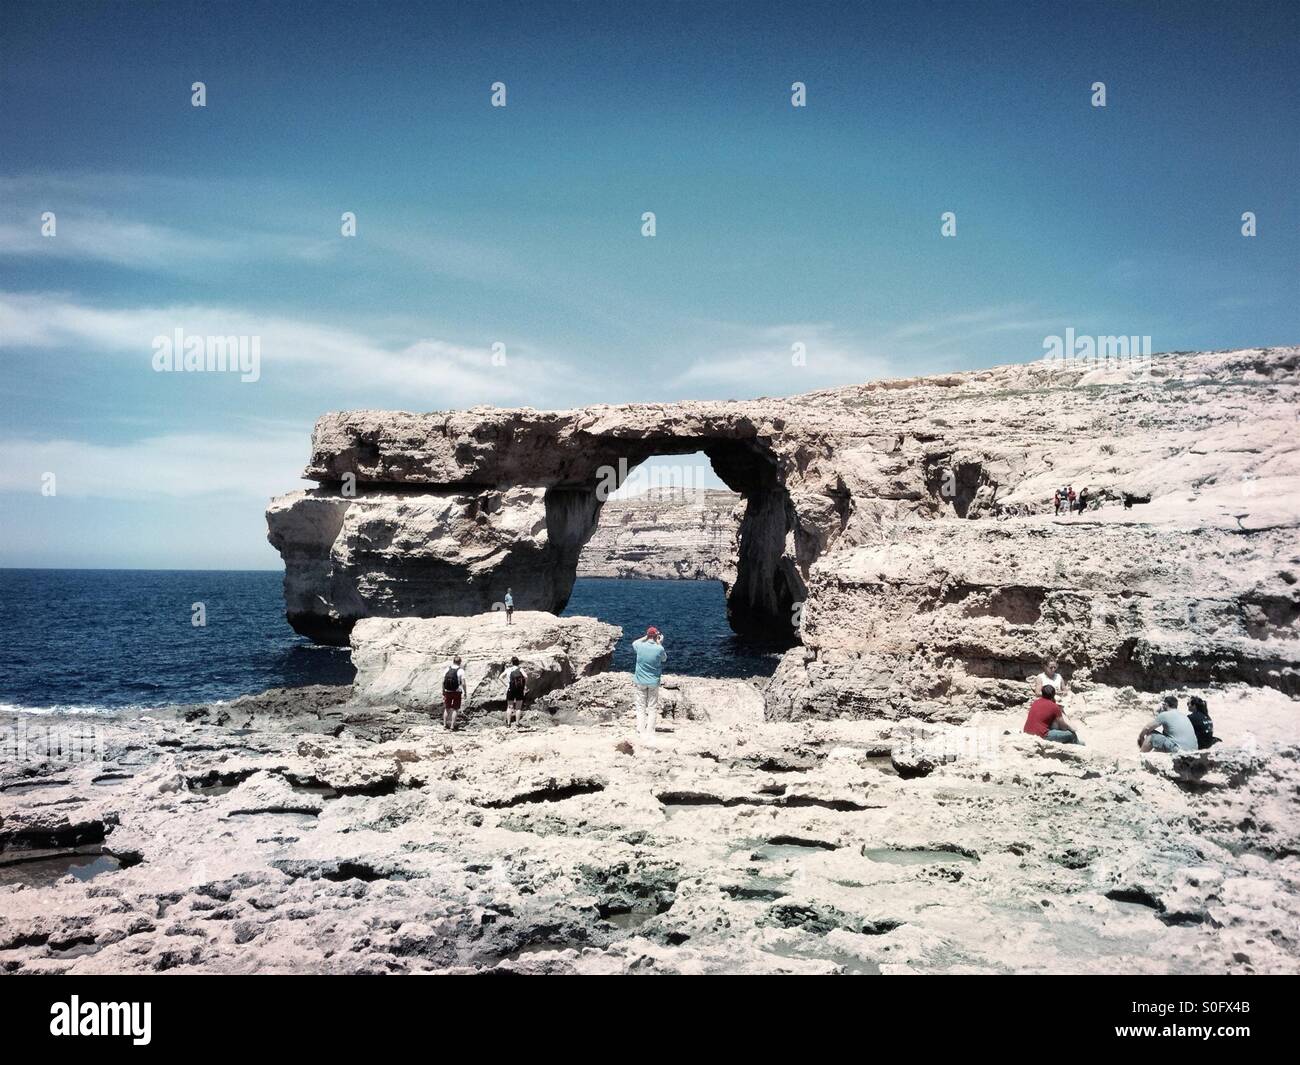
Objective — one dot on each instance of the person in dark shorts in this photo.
(1046, 720)
(516, 688)
(510, 607)
(453, 688)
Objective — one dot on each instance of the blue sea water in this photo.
(108, 639)
(105, 639)
(692, 615)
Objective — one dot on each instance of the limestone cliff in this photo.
(901, 531)
(664, 534)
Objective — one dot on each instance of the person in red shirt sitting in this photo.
(1045, 719)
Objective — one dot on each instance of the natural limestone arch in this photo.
(763, 581)
(451, 510)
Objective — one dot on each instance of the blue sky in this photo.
(522, 225)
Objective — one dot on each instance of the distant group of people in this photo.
(1064, 499)
(1168, 732)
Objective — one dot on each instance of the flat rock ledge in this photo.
(303, 831)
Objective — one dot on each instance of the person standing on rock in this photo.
(1056, 502)
(650, 659)
(510, 607)
(453, 687)
(1046, 720)
(1169, 732)
(516, 687)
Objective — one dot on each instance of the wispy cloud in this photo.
(781, 360)
(433, 372)
(180, 465)
(133, 244)
(946, 330)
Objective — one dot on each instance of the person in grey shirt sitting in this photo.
(1169, 731)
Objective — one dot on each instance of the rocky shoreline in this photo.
(304, 831)
(873, 807)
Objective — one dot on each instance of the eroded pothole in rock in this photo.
(820, 918)
(554, 791)
(917, 855)
(672, 800)
(45, 868)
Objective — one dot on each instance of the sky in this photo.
(522, 226)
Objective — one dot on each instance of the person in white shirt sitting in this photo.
(1050, 675)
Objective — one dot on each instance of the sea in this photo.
(105, 640)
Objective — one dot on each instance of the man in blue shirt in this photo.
(510, 607)
(1169, 732)
(650, 659)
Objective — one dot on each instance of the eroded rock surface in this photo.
(901, 532)
(403, 661)
(732, 844)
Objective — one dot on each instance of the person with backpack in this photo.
(1199, 715)
(1169, 731)
(1056, 502)
(453, 687)
(516, 687)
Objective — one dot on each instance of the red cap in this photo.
(652, 631)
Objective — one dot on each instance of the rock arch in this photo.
(451, 510)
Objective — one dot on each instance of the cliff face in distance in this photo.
(664, 534)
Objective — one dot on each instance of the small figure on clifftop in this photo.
(510, 607)
(516, 687)
(1046, 720)
(1170, 731)
(453, 687)
(650, 658)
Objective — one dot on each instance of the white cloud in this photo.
(425, 372)
(766, 364)
(134, 244)
(952, 329)
(177, 465)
